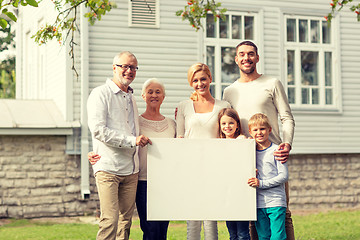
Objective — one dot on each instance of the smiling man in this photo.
(257, 93)
(114, 125)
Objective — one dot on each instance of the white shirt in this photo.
(190, 124)
(114, 125)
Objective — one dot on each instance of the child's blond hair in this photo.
(259, 119)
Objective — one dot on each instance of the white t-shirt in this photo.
(190, 124)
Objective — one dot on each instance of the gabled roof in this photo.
(33, 117)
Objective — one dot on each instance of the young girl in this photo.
(229, 124)
(229, 127)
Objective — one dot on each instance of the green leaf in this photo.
(179, 12)
(3, 23)
(4, 10)
(32, 3)
(11, 16)
(16, 3)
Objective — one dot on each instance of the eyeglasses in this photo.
(126, 67)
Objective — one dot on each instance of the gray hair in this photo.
(118, 56)
(150, 81)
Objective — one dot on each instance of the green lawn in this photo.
(336, 225)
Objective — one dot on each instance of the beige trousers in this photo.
(117, 204)
(194, 229)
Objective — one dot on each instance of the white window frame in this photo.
(218, 43)
(156, 4)
(320, 48)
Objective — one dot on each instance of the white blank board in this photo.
(201, 179)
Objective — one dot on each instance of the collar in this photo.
(115, 88)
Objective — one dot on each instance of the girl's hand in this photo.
(93, 157)
(253, 182)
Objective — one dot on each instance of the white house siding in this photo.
(43, 68)
(272, 42)
(350, 65)
(167, 52)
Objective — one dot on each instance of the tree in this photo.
(195, 10)
(7, 78)
(65, 22)
(338, 5)
(7, 66)
(8, 7)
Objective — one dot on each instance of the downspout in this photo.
(84, 75)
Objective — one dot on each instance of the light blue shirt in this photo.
(272, 175)
(114, 124)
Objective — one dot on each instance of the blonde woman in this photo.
(197, 117)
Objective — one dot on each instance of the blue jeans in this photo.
(270, 224)
(238, 230)
(152, 230)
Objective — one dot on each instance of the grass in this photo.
(334, 225)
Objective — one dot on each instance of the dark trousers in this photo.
(152, 230)
(238, 230)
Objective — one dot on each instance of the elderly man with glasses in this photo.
(114, 125)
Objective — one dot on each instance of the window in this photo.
(310, 53)
(144, 13)
(221, 38)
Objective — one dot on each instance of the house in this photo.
(319, 67)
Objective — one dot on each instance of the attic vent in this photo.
(144, 13)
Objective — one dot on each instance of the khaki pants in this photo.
(289, 227)
(117, 204)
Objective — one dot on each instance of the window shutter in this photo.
(144, 13)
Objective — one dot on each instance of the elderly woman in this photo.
(197, 118)
(153, 125)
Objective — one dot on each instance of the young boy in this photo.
(270, 181)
